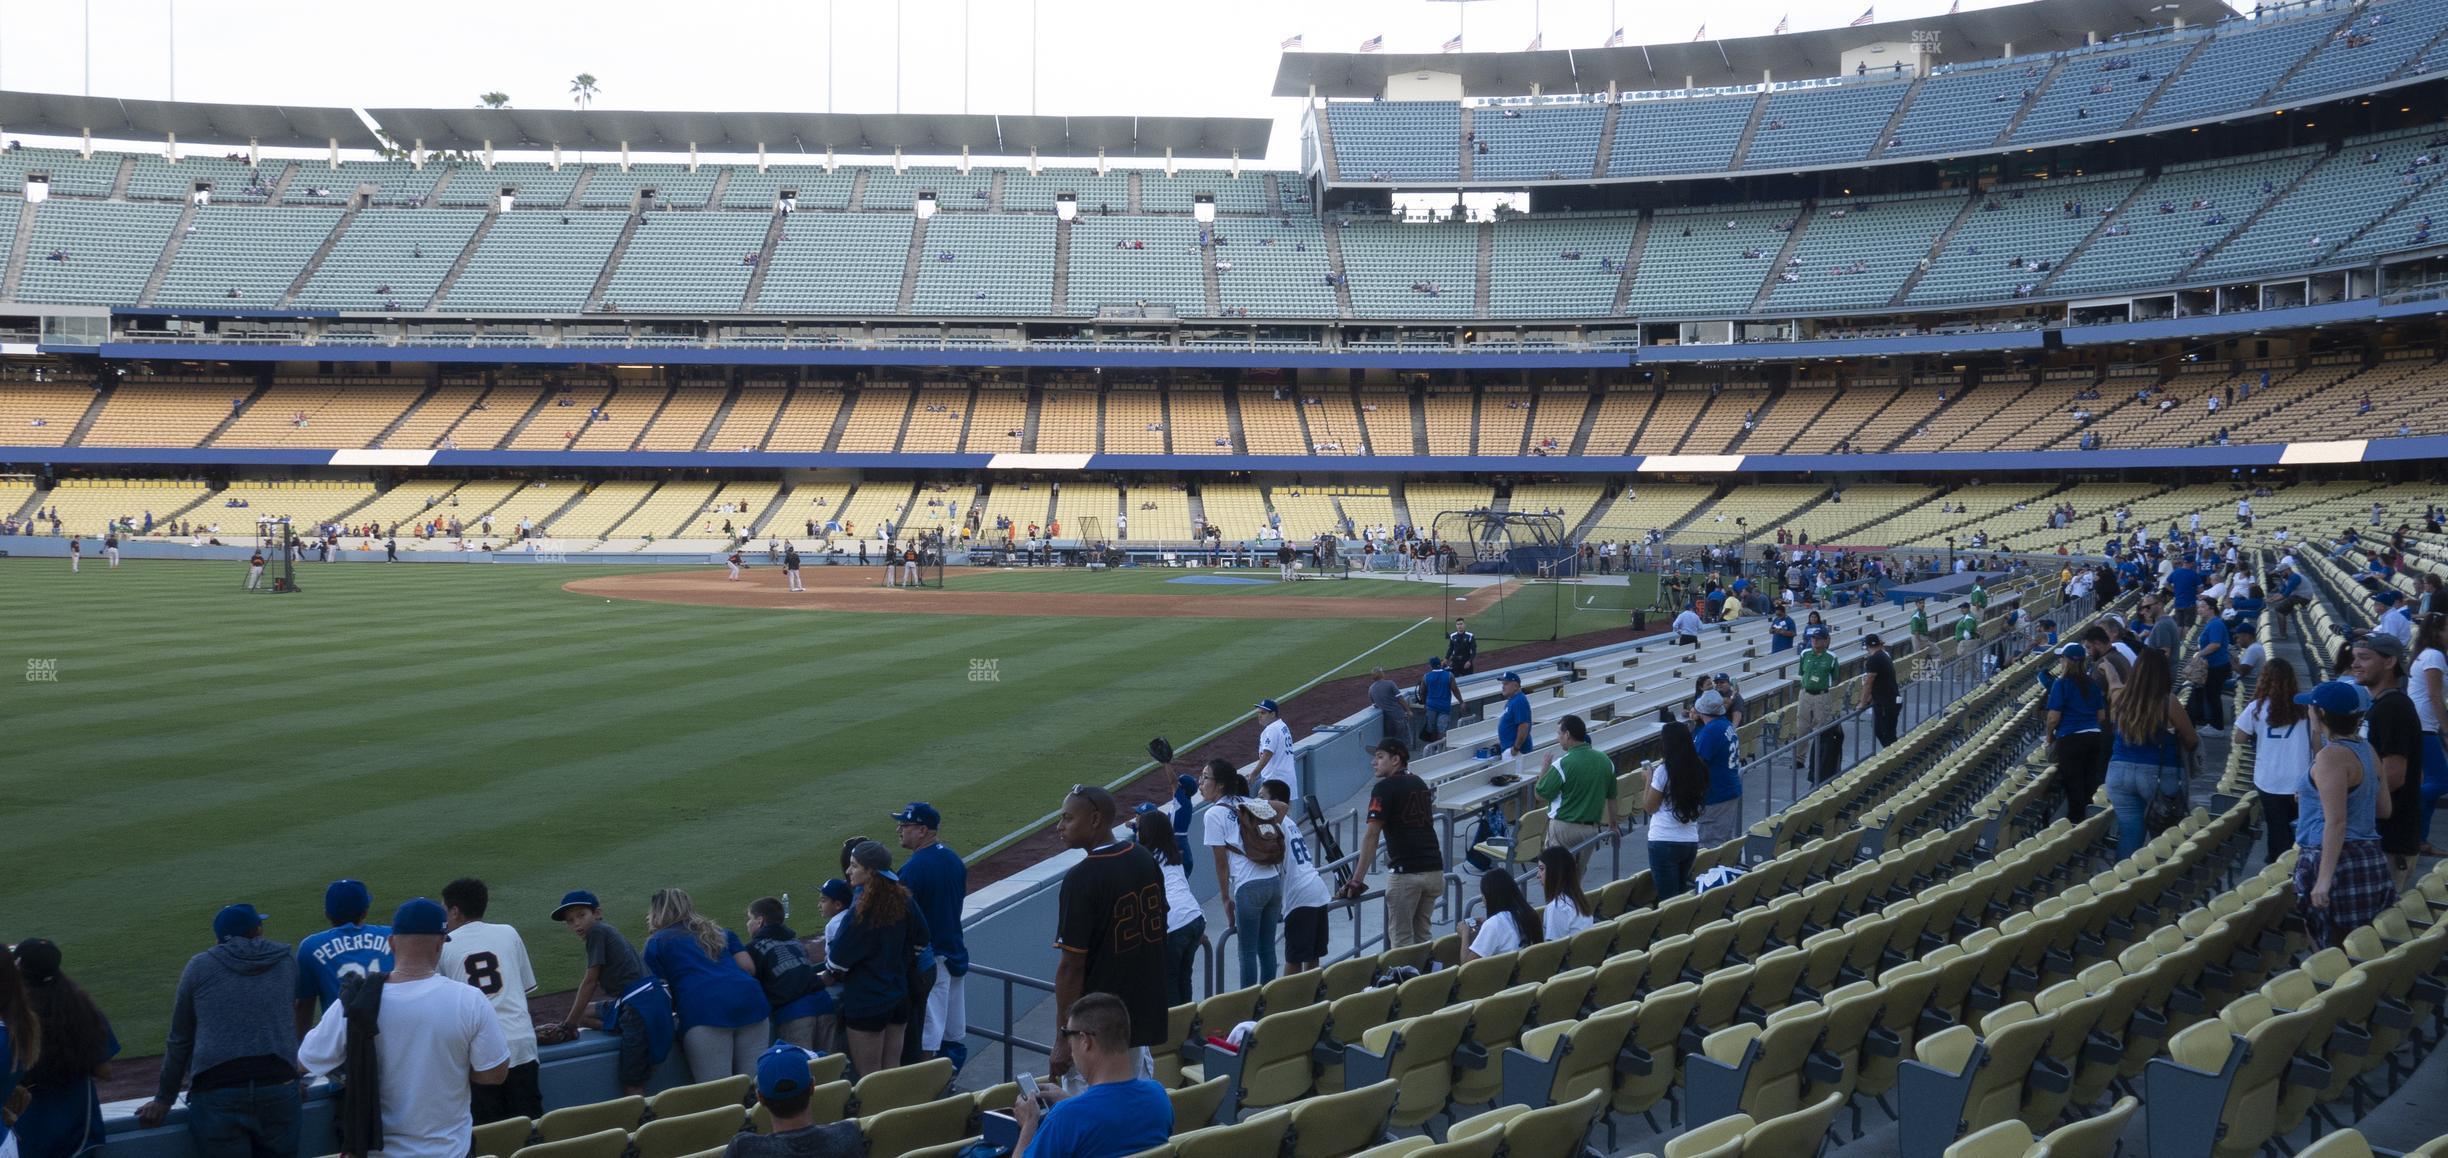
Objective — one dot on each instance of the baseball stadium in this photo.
(1695, 532)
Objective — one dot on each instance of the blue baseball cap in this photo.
(347, 900)
(2072, 651)
(237, 921)
(1269, 706)
(1815, 631)
(574, 898)
(2386, 596)
(2338, 697)
(420, 917)
(1511, 677)
(1435, 662)
(836, 890)
(1146, 806)
(782, 1072)
(920, 812)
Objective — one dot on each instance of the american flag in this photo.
(1616, 40)
(1780, 28)
(1700, 35)
(1868, 14)
(1537, 41)
(1955, 7)
(1372, 44)
(1291, 42)
(1454, 45)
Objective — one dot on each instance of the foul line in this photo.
(1017, 835)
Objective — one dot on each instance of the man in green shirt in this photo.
(1580, 786)
(1817, 668)
(1923, 645)
(1967, 630)
(1980, 596)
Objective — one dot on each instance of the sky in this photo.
(1090, 57)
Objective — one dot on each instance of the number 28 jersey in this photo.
(492, 958)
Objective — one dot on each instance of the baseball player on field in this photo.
(255, 570)
(790, 565)
(76, 554)
(909, 564)
(734, 562)
(892, 572)
(110, 548)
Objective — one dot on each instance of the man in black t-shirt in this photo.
(2396, 739)
(1402, 812)
(1880, 693)
(1111, 927)
(1462, 650)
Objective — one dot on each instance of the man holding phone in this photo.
(1119, 1113)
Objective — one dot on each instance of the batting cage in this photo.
(927, 569)
(278, 548)
(1518, 576)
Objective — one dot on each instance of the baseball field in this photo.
(176, 744)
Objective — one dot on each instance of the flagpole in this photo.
(829, 55)
(964, 57)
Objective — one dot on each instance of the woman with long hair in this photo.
(1510, 922)
(1253, 892)
(2147, 759)
(2342, 877)
(64, 1116)
(2282, 750)
(1568, 909)
(2076, 702)
(723, 1014)
(2427, 683)
(1185, 922)
(1673, 800)
(20, 1040)
(881, 932)
(2212, 644)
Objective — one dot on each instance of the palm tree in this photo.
(583, 89)
(493, 100)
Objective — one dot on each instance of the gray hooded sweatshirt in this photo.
(235, 1000)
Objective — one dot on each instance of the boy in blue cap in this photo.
(636, 1006)
(350, 948)
(784, 1086)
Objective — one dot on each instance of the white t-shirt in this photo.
(1662, 823)
(2418, 687)
(1563, 920)
(435, 1032)
(2282, 757)
(1221, 828)
(492, 958)
(1277, 738)
(1302, 887)
(1497, 934)
(1181, 905)
(2255, 656)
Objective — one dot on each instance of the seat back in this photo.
(903, 1086)
(569, 1122)
(600, 1144)
(1422, 1062)
(1194, 1107)
(1797, 1133)
(688, 1133)
(1276, 1066)
(1496, 1022)
(1259, 1135)
(2095, 1136)
(1595, 1041)
(501, 1139)
(679, 1101)
(907, 1128)
(1344, 1123)
(1558, 1131)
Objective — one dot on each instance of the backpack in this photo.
(1262, 840)
(783, 969)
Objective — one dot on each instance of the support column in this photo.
(85, 150)
(692, 156)
(1168, 160)
(416, 154)
(760, 156)
(624, 156)
(171, 154)
(488, 155)
(556, 161)
(964, 165)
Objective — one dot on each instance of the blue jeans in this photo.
(1257, 910)
(1670, 865)
(1181, 951)
(2131, 788)
(2434, 777)
(259, 1120)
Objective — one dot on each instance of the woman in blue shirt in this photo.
(2152, 736)
(2210, 699)
(879, 935)
(2342, 877)
(2075, 703)
(713, 982)
(64, 1117)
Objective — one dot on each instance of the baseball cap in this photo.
(1436, 661)
(2382, 643)
(836, 890)
(1815, 631)
(1146, 806)
(2073, 651)
(237, 921)
(875, 858)
(1269, 706)
(1723, 678)
(2386, 596)
(782, 1072)
(1393, 747)
(38, 959)
(1873, 640)
(1511, 677)
(574, 898)
(1710, 704)
(347, 900)
(2338, 697)
(420, 917)
(920, 812)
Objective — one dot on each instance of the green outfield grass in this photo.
(406, 725)
(1167, 581)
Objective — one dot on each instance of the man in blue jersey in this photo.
(1436, 702)
(350, 948)
(939, 884)
(1781, 633)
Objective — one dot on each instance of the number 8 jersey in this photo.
(492, 958)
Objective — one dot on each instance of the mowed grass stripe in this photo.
(410, 724)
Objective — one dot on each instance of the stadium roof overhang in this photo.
(932, 134)
(115, 118)
(2039, 26)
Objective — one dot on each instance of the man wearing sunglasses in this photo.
(1119, 1113)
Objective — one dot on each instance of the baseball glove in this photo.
(554, 1033)
(1160, 750)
